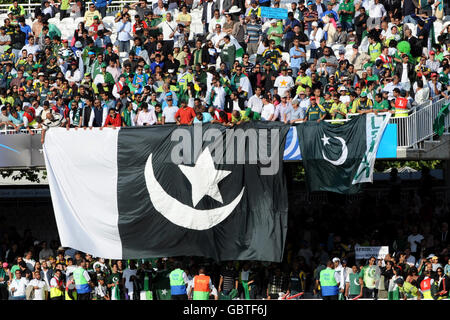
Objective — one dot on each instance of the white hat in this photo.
(234, 9)
(78, 44)
(273, 21)
(431, 255)
(314, 24)
(336, 259)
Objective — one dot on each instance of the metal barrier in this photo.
(29, 7)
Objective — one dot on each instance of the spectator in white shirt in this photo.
(422, 91)
(39, 286)
(268, 109)
(147, 116)
(18, 286)
(169, 27)
(168, 113)
(29, 260)
(415, 240)
(376, 12)
(216, 95)
(255, 103)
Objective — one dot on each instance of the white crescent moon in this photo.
(343, 156)
(181, 214)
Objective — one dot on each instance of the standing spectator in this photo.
(415, 241)
(18, 286)
(124, 33)
(83, 281)
(113, 120)
(370, 275)
(178, 282)
(128, 277)
(38, 287)
(353, 284)
(101, 6)
(185, 114)
(278, 284)
(228, 279)
(4, 278)
(329, 282)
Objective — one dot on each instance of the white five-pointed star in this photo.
(163, 292)
(204, 178)
(325, 139)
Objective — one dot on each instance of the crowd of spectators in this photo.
(327, 60)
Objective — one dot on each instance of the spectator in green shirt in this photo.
(275, 32)
(346, 12)
(381, 105)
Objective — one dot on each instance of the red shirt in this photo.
(116, 121)
(186, 115)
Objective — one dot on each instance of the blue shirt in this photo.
(290, 34)
(155, 64)
(17, 120)
(101, 3)
(296, 62)
(25, 29)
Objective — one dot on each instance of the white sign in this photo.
(367, 252)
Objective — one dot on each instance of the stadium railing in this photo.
(116, 5)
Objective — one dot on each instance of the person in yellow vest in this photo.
(83, 281)
(401, 105)
(70, 292)
(407, 289)
(425, 286)
(338, 110)
(202, 287)
(57, 286)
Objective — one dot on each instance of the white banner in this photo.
(375, 126)
(83, 186)
(368, 252)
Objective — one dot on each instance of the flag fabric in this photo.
(161, 285)
(118, 194)
(337, 158)
(146, 293)
(439, 122)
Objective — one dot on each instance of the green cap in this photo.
(323, 60)
(103, 65)
(147, 66)
(37, 66)
(30, 78)
(6, 47)
(363, 94)
(95, 17)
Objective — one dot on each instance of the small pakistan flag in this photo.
(338, 158)
(161, 285)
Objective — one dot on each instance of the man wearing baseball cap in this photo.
(315, 111)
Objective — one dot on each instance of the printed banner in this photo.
(367, 252)
(375, 126)
(274, 13)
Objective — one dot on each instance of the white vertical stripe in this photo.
(82, 174)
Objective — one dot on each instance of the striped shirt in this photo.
(253, 33)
